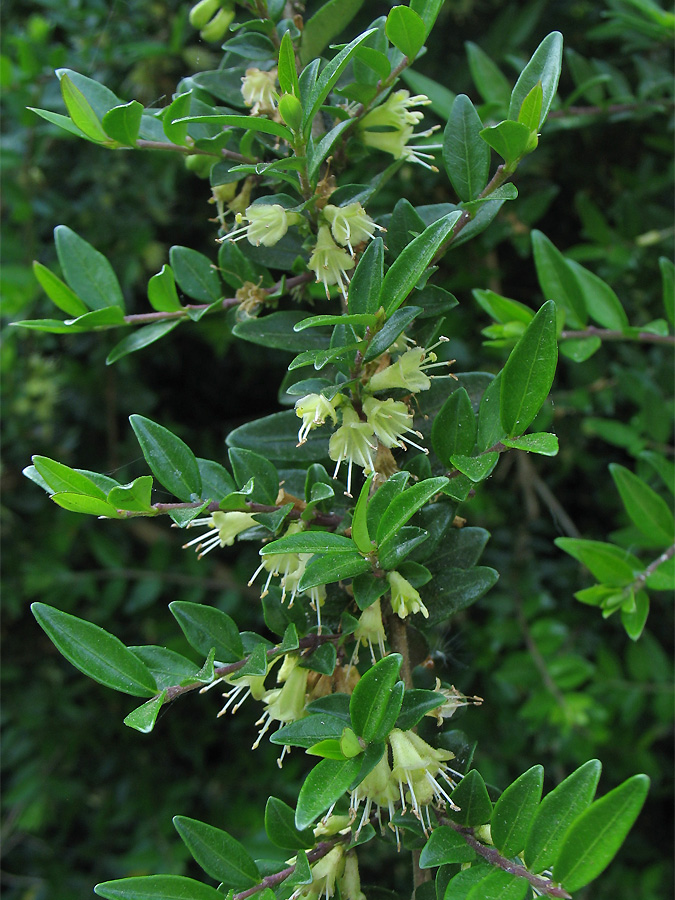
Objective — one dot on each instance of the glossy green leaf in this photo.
(256, 663)
(648, 511)
(440, 96)
(368, 588)
(465, 154)
(62, 478)
(360, 535)
(168, 667)
(405, 505)
(528, 374)
(454, 428)
(580, 349)
(459, 886)
(416, 704)
(64, 122)
(530, 110)
(145, 336)
(95, 652)
(135, 496)
(326, 23)
(608, 563)
(309, 731)
(195, 274)
(80, 503)
(317, 152)
(281, 830)
(477, 468)
(383, 497)
(502, 309)
(596, 835)
(490, 428)
(162, 292)
(171, 461)
(557, 812)
(406, 31)
(452, 590)
(396, 548)
(310, 542)
(492, 84)
(287, 72)
(370, 698)
(218, 853)
(247, 464)
(278, 330)
(445, 846)
(603, 305)
(395, 325)
(173, 119)
(558, 281)
(122, 123)
(87, 271)
(333, 567)
(248, 123)
(156, 887)
(58, 292)
(500, 885)
(511, 140)
(276, 437)
(515, 810)
(206, 627)
(544, 66)
(81, 112)
(325, 784)
(143, 718)
(407, 269)
(475, 806)
(635, 619)
(543, 443)
(663, 577)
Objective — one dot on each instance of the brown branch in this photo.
(609, 110)
(327, 520)
(653, 566)
(270, 881)
(606, 334)
(191, 151)
(494, 857)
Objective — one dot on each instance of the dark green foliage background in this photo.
(86, 799)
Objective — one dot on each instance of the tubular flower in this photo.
(352, 441)
(258, 91)
(247, 685)
(390, 126)
(454, 699)
(267, 224)
(370, 630)
(417, 766)
(314, 409)
(350, 224)
(287, 703)
(225, 528)
(404, 597)
(391, 419)
(377, 789)
(409, 370)
(325, 873)
(329, 262)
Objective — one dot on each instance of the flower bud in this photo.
(290, 110)
(202, 12)
(218, 27)
(404, 598)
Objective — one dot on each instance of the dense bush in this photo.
(562, 683)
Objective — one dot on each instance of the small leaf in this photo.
(135, 496)
(328, 569)
(511, 140)
(81, 112)
(543, 443)
(360, 534)
(95, 652)
(514, 811)
(634, 620)
(195, 274)
(156, 887)
(145, 336)
(445, 846)
(454, 428)
(477, 468)
(162, 292)
(492, 84)
(310, 542)
(500, 885)
(58, 292)
(465, 153)
(248, 123)
(416, 704)
(406, 31)
(596, 835)
(281, 830)
(246, 465)
(122, 123)
(309, 731)
(326, 23)
(144, 717)
(62, 478)
(171, 461)
(287, 72)
(475, 806)
(80, 503)
(206, 627)
(528, 374)
(368, 704)
(558, 281)
(648, 511)
(218, 853)
(608, 563)
(544, 66)
(405, 505)
(530, 110)
(87, 271)
(325, 784)
(395, 325)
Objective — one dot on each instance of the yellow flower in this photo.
(287, 703)
(408, 372)
(390, 126)
(266, 224)
(330, 263)
(404, 598)
(314, 409)
(350, 224)
(225, 528)
(417, 767)
(370, 630)
(258, 91)
(354, 442)
(391, 419)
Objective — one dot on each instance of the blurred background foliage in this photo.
(84, 798)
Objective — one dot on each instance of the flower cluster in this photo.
(339, 227)
(337, 870)
(409, 773)
(390, 126)
(287, 703)
(266, 224)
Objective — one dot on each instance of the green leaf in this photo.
(206, 627)
(58, 292)
(287, 72)
(248, 123)
(454, 589)
(81, 112)
(309, 731)
(195, 274)
(608, 563)
(634, 620)
(218, 853)
(663, 577)
(173, 118)
(368, 588)
(396, 548)
(543, 443)
(79, 503)
(603, 306)
(95, 652)
(353, 319)
(145, 336)
(122, 123)
(171, 461)
(544, 66)
(557, 812)
(648, 511)
(409, 266)
(511, 140)
(454, 428)
(370, 698)
(428, 11)
(502, 309)
(97, 318)
(528, 374)
(490, 428)
(500, 885)
(416, 704)
(558, 281)
(596, 835)
(440, 96)
(143, 718)
(168, 667)
(281, 830)
(310, 542)
(580, 349)
(530, 111)
(326, 23)
(465, 154)
(325, 784)
(477, 468)
(395, 325)
(405, 505)
(276, 437)
(278, 330)
(156, 887)
(406, 31)
(64, 122)
(135, 496)
(360, 535)
(317, 152)
(162, 292)
(475, 806)
(255, 665)
(492, 84)
(330, 568)
(87, 271)
(62, 478)
(668, 279)
(246, 465)
(445, 846)
(515, 810)
(328, 77)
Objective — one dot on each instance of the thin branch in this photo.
(653, 566)
(270, 881)
(192, 151)
(494, 857)
(605, 334)
(609, 110)
(327, 520)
